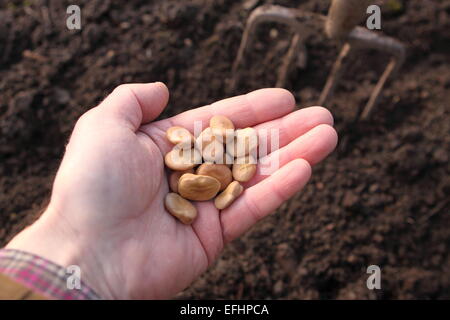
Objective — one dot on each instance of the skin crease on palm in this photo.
(106, 212)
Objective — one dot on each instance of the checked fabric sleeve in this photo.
(43, 277)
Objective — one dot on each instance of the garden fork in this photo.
(340, 25)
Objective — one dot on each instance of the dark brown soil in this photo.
(382, 198)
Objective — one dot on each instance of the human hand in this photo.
(106, 212)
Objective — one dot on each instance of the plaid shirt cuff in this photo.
(42, 276)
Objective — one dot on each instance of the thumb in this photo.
(135, 104)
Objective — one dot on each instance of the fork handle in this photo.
(344, 15)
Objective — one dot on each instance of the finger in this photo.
(291, 126)
(263, 198)
(313, 147)
(245, 111)
(135, 104)
(207, 227)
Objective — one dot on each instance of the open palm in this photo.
(108, 193)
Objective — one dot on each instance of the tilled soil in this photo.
(382, 198)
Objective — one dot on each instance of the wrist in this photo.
(51, 239)
(48, 240)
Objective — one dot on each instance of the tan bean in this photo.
(198, 187)
(219, 121)
(244, 143)
(180, 208)
(244, 169)
(227, 160)
(219, 171)
(213, 152)
(248, 159)
(222, 126)
(182, 159)
(227, 197)
(174, 177)
(180, 136)
(205, 138)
